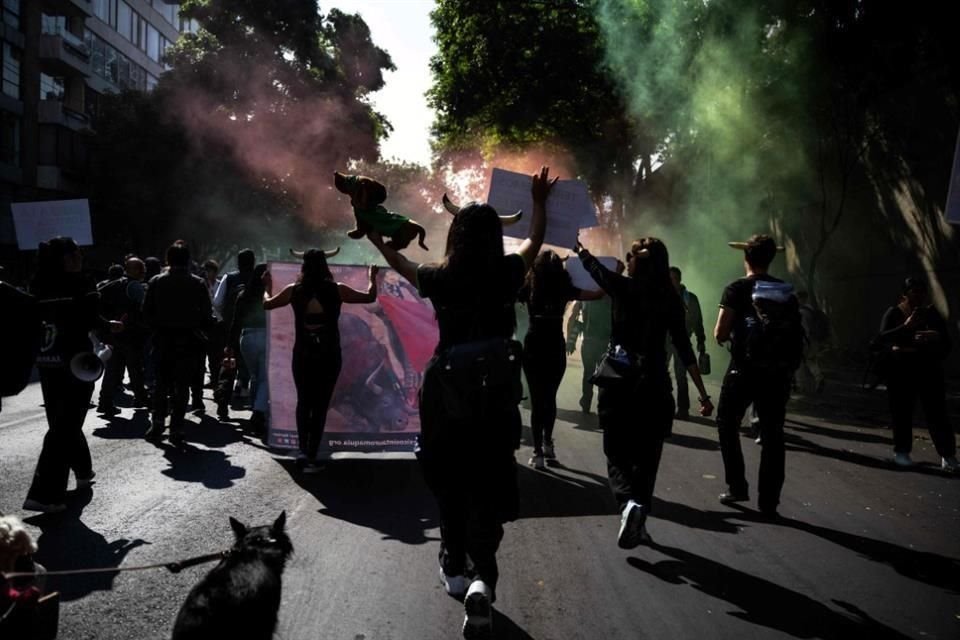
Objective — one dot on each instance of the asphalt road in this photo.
(863, 550)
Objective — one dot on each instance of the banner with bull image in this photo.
(385, 347)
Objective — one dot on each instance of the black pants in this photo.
(769, 393)
(591, 350)
(127, 356)
(66, 401)
(315, 374)
(635, 419)
(177, 364)
(680, 379)
(904, 389)
(544, 362)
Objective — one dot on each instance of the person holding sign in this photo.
(469, 413)
(316, 299)
(636, 409)
(546, 293)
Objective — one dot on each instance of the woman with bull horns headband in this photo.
(469, 416)
(316, 299)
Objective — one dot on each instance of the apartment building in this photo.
(58, 58)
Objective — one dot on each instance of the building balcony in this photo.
(73, 8)
(55, 112)
(64, 54)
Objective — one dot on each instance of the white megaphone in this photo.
(87, 366)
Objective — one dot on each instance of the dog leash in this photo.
(172, 567)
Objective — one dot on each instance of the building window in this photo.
(153, 43)
(106, 10)
(53, 25)
(151, 82)
(188, 26)
(11, 70)
(11, 13)
(9, 138)
(51, 88)
(125, 20)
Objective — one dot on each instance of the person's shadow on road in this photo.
(388, 496)
(191, 464)
(66, 543)
(762, 602)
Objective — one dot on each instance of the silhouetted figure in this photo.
(694, 323)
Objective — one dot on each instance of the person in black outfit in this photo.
(249, 330)
(636, 414)
(68, 304)
(546, 293)
(316, 299)
(177, 308)
(914, 342)
(468, 437)
(225, 302)
(694, 322)
(121, 299)
(743, 384)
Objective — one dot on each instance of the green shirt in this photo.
(386, 222)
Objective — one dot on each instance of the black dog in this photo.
(240, 597)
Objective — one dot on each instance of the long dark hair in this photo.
(651, 268)
(547, 280)
(474, 251)
(50, 267)
(315, 269)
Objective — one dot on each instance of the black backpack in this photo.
(774, 333)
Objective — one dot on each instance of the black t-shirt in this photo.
(546, 312)
(325, 328)
(738, 297)
(469, 312)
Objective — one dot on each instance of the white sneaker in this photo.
(455, 586)
(950, 464)
(537, 462)
(902, 460)
(549, 453)
(633, 529)
(478, 622)
(33, 505)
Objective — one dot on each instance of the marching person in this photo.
(68, 304)
(177, 308)
(636, 411)
(469, 414)
(224, 303)
(694, 324)
(249, 331)
(592, 320)
(761, 368)
(121, 299)
(316, 299)
(547, 291)
(915, 342)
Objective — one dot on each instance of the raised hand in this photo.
(542, 185)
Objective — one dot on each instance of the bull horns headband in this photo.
(328, 254)
(506, 220)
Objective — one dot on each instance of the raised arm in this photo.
(397, 261)
(271, 301)
(538, 224)
(610, 282)
(350, 295)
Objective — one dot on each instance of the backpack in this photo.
(774, 333)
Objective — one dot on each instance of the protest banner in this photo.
(579, 276)
(953, 193)
(569, 207)
(385, 347)
(36, 222)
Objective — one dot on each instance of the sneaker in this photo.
(84, 483)
(455, 586)
(950, 464)
(549, 453)
(313, 468)
(223, 411)
(537, 462)
(33, 505)
(633, 529)
(729, 497)
(478, 622)
(902, 460)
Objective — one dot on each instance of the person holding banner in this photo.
(316, 299)
(546, 293)
(636, 406)
(469, 413)
(68, 305)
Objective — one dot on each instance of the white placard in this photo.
(36, 222)
(583, 280)
(953, 194)
(569, 207)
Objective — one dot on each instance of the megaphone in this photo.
(87, 366)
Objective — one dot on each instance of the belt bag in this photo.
(476, 377)
(617, 367)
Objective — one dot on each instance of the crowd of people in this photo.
(169, 325)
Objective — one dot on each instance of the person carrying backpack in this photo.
(760, 316)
